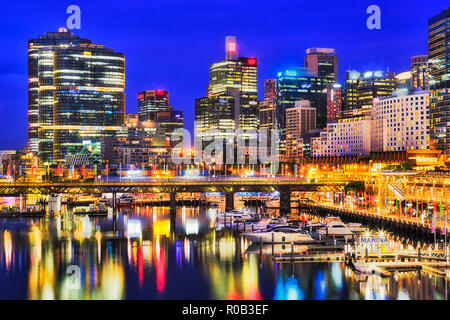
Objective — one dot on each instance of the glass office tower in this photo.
(231, 101)
(362, 87)
(76, 95)
(299, 84)
(323, 62)
(439, 80)
(150, 102)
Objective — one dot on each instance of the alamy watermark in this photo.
(374, 20)
(230, 147)
(73, 274)
(74, 20)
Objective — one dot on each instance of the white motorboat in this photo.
(357, 228)
(125, 200)
(338, 228)
(280, 234)
(234, 215)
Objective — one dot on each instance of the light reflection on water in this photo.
(144, 254)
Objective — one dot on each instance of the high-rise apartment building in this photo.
(347, 137)
(75, 95)
(300, 120)
(419, 71)
(323, 62)
(439, 80)
(401, 122)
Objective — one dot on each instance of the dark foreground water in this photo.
(145, 255)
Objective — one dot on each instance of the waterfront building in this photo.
(347, 137)
(439, 80)
(150, 102)
(334, 101)
(323, 62)
(401, 121)
(75, 95)
(231, 101)
(300, 120)
(362, 88)
(299, 84)
(419, 71)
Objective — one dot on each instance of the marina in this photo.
(157, 246)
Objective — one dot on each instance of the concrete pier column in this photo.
(173, 203)
(114, 199)
(229, 201)
(285, 202)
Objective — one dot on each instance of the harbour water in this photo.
(144, 254)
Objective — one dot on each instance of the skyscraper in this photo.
(300, 120)
(299, 84)
(231, 102)
(323, 62)
(334, 101)
(361, 88)
(267, 107)
(419, 71)
(439, 81)
(150, 102)
(75, 93)
(270, 89)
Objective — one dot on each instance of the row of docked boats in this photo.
(282, 230)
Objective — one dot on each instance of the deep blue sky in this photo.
(170, 44)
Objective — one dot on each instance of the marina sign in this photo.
(373, 239)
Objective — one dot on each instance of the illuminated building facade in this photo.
(362, 88)
(231, 101)
(419, 71)
(270, 89)
(143, 144)
(323, 62)
(169, 121)
(299, 84)
(215, 112)
(267, 107)
(401, 122)
(347, 137)
(300, 120)
(150, 102)
(439, 79)
(75, 93)
(334, 101)
(404, 80)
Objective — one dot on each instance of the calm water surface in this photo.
(144, 254)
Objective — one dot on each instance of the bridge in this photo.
(227, 185)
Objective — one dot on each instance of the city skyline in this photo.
(272, 55)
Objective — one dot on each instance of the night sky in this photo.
(170, 44)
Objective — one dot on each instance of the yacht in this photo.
(337, 228)
(234, 215)
(280, 234)
(125, 200)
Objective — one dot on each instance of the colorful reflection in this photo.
(149, 255)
